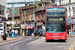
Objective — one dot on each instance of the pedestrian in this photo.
(16, 33)
(12, 33)
(8, 32)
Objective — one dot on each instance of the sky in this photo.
(20, 0)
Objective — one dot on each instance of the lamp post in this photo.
(34, 9)
(13, 13)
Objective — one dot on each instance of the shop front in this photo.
(68, 26)
(29, 30)
(18, 29)
(39, 25)
(73, 26)
(3, 26)
(23, 30)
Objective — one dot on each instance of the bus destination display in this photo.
(55, 19)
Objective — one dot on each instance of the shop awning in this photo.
(73, 22)
(2, 19)
(29, 27)
(40, 23)
(68, 20)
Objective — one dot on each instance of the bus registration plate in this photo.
(55, 38)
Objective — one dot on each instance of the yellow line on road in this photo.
(71, 46)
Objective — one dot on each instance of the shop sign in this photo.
(16, 27)
(10, 22)
(73, 19)
(73, 33)
(39, 23)
(0, 19)
(68, 20)
(12, 26)
(22, 26)
(31, 24)
(1, 33)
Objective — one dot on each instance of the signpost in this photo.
(24, 22)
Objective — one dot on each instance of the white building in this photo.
(2, 16)
(19, 3)
(70, 8)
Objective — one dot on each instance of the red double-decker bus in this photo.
(56, 23)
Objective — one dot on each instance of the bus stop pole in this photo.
(0, 37)
(24, 23)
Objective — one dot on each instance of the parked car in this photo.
(38, 32)
(43, 33)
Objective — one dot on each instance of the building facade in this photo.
(3, 16)
(29, 20)
(40, 13)
(19, 3)
(70, 8)
(16, 21)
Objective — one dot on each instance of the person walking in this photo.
(16, 33)
(12, 33)
(8, 32)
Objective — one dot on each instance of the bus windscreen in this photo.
(55, 27)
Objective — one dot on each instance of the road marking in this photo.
(21, 41)
(34, 41)
(9, 41)
(11, 45)
(71, 47)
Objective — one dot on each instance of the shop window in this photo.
(73, 11)
(38, 14)
(73, 27)
(2, 10)
(42, 14)
(69, 11)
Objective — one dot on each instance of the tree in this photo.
(40, 3)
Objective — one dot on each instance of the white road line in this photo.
(20, 42)
(34, 41)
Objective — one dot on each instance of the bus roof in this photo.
(55, 7)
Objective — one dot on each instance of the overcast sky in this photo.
(20, 0)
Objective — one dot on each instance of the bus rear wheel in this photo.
(46, 40)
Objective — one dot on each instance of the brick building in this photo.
(40, 13)
(16, 21)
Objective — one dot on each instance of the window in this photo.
(31, 16)
(38, 14)
(42, 14)
(73, 11)
(55, 27)
(69, 11)
(2, 10)
(27, 17)
(55, 12)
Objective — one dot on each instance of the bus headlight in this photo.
(48, 35)
(63, 38)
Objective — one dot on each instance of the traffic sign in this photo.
(12, 26)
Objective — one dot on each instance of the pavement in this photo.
(10, 39)
(70, 35)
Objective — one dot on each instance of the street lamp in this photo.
(34, 9)
(13, 13)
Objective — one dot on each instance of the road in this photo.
(39, 43)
